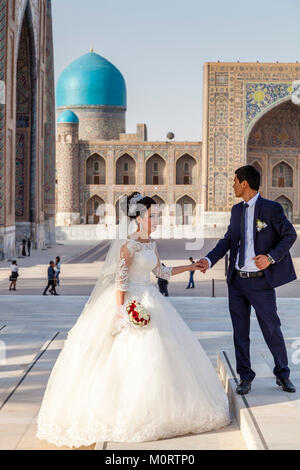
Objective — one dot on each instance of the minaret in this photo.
(67, 167)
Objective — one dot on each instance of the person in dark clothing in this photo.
(28, 246)
(51, 279)
(14, 275)
(23, 247)
(191, 283)
(163, 285)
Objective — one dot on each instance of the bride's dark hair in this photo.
(146, 202)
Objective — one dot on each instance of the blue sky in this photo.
(160, 47)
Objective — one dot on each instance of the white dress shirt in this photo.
(249, 265)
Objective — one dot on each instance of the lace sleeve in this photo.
(126, 255)
(164, 272)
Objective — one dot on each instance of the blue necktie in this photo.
(243, 237)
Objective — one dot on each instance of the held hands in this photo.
(197, 266)
(203, 265)
(261, 262)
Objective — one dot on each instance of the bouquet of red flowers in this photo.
(137, 313)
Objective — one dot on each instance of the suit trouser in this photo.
(51, 284)
(244, 292)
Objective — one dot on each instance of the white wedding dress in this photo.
(145, 383)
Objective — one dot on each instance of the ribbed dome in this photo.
(68, 116)
(91, 80)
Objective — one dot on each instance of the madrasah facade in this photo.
(248, 117)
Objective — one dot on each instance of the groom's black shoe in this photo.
(286, 384)
(243, 387)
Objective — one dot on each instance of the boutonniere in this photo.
(260, 225)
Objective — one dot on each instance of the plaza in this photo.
(67, 158)
(33, 329)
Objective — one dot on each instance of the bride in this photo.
(115, 382)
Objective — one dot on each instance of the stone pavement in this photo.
(82, 261)
(33, 331)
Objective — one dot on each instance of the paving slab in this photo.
(268, 417)
(30, 325)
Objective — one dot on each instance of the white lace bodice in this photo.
(136, 262)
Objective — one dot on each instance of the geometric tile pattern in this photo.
(3, 8)
(259, 96)
(236, 95)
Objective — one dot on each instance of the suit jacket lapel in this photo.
(239, 220)
(256, 215)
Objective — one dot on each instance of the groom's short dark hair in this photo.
(250, 174)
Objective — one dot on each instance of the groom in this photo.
(259, 238)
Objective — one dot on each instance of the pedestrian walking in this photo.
(28, 246)
(51, 280)
(13, 275)
(191, 284)
(57, 269)
(23, 247)
(57, 273)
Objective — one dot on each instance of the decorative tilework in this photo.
(163, 153)
(49, 139)
(260, 96)
(221, 150)
(221, 111)
(220, 190)
(277, 128)
(221, 78)
(3, 8)
(20, 199)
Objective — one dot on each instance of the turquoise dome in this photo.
(68, 116)
(91, 80)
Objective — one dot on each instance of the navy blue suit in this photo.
(276, 239)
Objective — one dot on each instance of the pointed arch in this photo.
(282, 175)
(125, 170)
(95, 169)
(156, 153)
(27, 169)
(95, 210)
(287, 206)
(162, 207)
(258, 167)
(186, 169)
(156, 170)
(260, 115)
(119, 208)
(185, 210)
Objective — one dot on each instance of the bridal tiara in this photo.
(133, 203)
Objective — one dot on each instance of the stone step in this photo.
(269, 418)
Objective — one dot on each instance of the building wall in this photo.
(12, 15)
(140, 152)
(236, 97)
(98, 122)
(238, 102)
